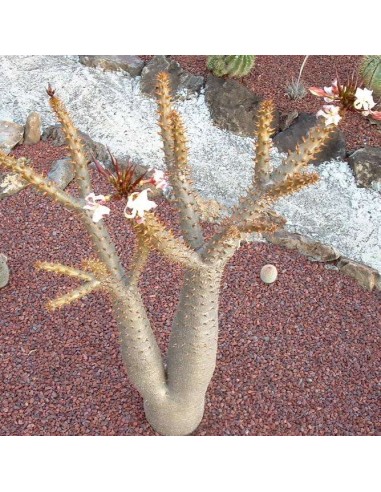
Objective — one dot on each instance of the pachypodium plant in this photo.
(173, 386)
(230, 65)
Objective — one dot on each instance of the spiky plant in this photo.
(173, 388)
(296, 89)
(370, 71)
(231, 65)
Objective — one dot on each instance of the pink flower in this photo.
(158, 180)
(330, 94)
(330, 113)
(376, 115)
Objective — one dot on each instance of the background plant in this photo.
(297, 89)
(370, 71)
(231, 65)
(173, 387)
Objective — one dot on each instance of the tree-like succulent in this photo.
(370, 71)
(230, 65)
(173, 387)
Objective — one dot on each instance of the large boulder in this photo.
(62, 173)
(232, 106)
(366, 166)
(32, 131)
(127, 63)
(291, 136)
(11, 134)
(182, 82)
(56, 137)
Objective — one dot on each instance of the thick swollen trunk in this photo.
(140, 352)
(191, 356)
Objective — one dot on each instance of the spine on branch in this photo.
(156, 236)
(311, 145)
(263, 144)
(74, 142)
(176, 157)
(38, 181)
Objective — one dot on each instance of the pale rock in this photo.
(32, 132)
(11, 134)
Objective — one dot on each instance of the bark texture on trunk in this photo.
(192, 349)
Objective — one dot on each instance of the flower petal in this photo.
(317, 91)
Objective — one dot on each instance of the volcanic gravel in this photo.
(298, 357)
(272, 74)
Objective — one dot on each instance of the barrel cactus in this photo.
(370, 72)
(230, 65)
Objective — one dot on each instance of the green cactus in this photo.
(230, 65)
(370, 72)
(173, 388)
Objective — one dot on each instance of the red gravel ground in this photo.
(272, 74)
(299, 357)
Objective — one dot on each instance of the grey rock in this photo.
(4, 271)
(314, 250)
(62, 173)
(127, 63)
(366, 276)
(366, 166)
(10, 184)
(32, 131)
(57, 138)
(11, 134)
(287, 139)
(181, 80)
(232, 106)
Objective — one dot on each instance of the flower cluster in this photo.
(138, 202)
(349, 97)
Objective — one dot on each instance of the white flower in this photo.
(158, 180)
(139, 204)
(331, 92)
(97, 208)
(364, 99)
(330, 113)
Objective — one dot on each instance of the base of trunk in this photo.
(173, 418)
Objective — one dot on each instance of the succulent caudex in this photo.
(173, 391)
